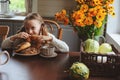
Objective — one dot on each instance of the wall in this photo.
(71, 38)
(48, 8)
(114, 22)
(35, 6)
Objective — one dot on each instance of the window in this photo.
(15, 6)
(113, 29)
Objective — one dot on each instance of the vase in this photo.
(100, 38)
(92, 33)
(82, 37)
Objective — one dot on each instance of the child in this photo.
(34, 25)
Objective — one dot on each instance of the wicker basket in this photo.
(102, 65)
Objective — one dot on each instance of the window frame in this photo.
(28, 7)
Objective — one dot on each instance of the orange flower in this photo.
(100, 15)
(98, 24)
(66, 20)
(63, 12)
(109, 1)
(84, 7)
(79, 23)
(88, 21)
(92, 12)
(97, 2)
(80, 1)
(61, 16)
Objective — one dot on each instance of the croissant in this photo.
(23, 46)
(30, 50)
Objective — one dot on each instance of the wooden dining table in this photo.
(40, 68)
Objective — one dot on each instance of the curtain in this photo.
(28, 5)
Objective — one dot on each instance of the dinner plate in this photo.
(51, 56)
(6, 16)
(21, 54)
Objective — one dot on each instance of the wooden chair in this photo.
(4, 30)
(54, 25)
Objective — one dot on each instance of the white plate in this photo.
(21, 54)
(6, 16)
(51, 56)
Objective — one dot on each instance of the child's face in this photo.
(32, 27)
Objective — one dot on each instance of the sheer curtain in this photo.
(28, 5)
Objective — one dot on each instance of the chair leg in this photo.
(60, 33)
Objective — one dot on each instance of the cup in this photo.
(4, 76)
(47, 50)
(7, 57)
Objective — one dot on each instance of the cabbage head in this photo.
(79, 71)
(91, 46)
(105, 48)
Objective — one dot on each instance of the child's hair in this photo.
(36, 16)
(32, 16)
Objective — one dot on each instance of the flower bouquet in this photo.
(88, 17)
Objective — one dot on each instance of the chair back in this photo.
(4, 30)
(54, 28)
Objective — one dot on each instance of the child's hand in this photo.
(22, 35)
(40, 38)
(46, 39)
(36, 40)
